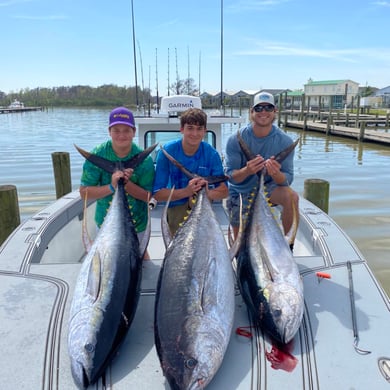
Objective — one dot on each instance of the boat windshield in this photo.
(163, 136)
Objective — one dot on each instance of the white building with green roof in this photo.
(331, 93)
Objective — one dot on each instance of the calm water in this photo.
(358, 173)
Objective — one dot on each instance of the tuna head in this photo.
(284, 310)
(84, 349)
(198, 354)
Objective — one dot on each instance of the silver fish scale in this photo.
(195, 300)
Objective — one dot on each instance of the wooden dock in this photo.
(361, 134)
(8, 110)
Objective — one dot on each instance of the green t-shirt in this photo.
(143, 176)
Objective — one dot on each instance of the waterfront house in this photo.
(333, 94)
(384, 94)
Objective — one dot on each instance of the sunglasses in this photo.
(267, 108)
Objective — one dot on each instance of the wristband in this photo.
(112, 189)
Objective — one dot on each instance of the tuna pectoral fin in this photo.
(145, 238)
(94, 277)
(235, 246)
(290, 236)
(86, 238)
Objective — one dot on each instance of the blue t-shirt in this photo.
(205, 162)
(268, 146)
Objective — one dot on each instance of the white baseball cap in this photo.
(263, 97)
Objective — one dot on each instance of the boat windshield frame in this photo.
(163, 136)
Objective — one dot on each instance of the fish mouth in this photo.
(80, 376)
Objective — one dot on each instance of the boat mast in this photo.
(135, 57)
(200, 54)
(221, 53)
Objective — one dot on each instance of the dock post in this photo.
(387, 120)
(328, 124)
(280, 110)
(304, 121)
(9, 211)
(317, 192)
(362, 130)
(61, 166)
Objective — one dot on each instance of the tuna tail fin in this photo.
(139, 158)
(279, 157)
(190, 175)
(176, 163)
(108, 166)
(284, 153)
(112, 166)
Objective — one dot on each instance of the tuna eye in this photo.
(89, 348)
(277, 312)
(191, 363)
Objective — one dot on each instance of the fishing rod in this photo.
(135, 56)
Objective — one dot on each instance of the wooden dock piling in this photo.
(9, 211)
(62, 177)
(317, 192)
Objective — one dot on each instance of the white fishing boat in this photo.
(342, 343)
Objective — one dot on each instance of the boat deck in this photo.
(38, 280)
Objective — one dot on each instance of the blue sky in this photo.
(266, 44)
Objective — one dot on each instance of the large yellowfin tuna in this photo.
(108, 287)
(194, 307)
(268, 275)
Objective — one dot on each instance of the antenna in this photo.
(168, 71)
(177, 75)
(157, 84)
(188, 71)
(135, 56)
(142, 73)
(200, 54)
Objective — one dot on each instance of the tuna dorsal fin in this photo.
(112, 166)
(190, 175)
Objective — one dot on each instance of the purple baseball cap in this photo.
(121, 116)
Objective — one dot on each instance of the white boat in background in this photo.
(343, 342)
(16, 104)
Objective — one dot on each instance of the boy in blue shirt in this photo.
(195, 155)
